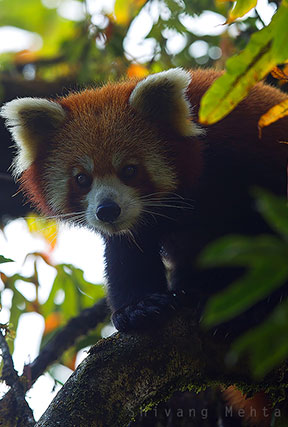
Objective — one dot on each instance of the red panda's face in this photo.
(102, 157)
(105, 166)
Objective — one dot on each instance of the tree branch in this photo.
(76, 327)
(126, 373)
(9, 375)
(66, 337)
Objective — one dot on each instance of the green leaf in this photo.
(79, 293)
(70, 306)
(266, 257)
(18, 307)
(245, 292)
(49, 305)
(237, 250)
(240, 8)
(280, 33)
(88, 293)
(3, 259)
(274, 210)
(267, 345)
(264, 51)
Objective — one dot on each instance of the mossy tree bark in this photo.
(125, 374)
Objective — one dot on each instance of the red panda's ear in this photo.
(28, 119)
(162, 97)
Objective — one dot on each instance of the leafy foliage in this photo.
(69, 295)
(267, 344)
(265, 50)
(265, 258)
(94, 47)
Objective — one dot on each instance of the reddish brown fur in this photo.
(101, 121)
(111, 104)
(116, 124)
(105, 104)
(31, 183)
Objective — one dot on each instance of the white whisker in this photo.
(45, 218)
(165, 205)
(157, 213)
(132, 239)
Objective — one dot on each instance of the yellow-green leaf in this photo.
(275, 113)
(43, 227)
(240, 8)
(137, 70)
(279, 74)
(234, 85)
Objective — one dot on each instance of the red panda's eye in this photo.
(83, 180)
(129, 171)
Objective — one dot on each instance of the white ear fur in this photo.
(28, 119)
(162, 97)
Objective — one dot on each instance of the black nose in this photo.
(108, 211)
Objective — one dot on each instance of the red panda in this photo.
(130, 161)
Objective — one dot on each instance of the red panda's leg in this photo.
(137, 286)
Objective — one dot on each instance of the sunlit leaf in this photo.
(137, 70)
(25, 56)
(52, 322)
(264, 51)
(126, 10)
(3, 277)
(279, 74)
(44, 227)
(267, 344)
(69, 358)
(240, 8)
(78, 293)
(275, 113)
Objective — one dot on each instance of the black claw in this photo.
(146, 312)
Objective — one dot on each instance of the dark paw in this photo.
(146, 313)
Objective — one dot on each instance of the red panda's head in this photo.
(97, 156)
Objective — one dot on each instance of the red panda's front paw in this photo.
(145, 313)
